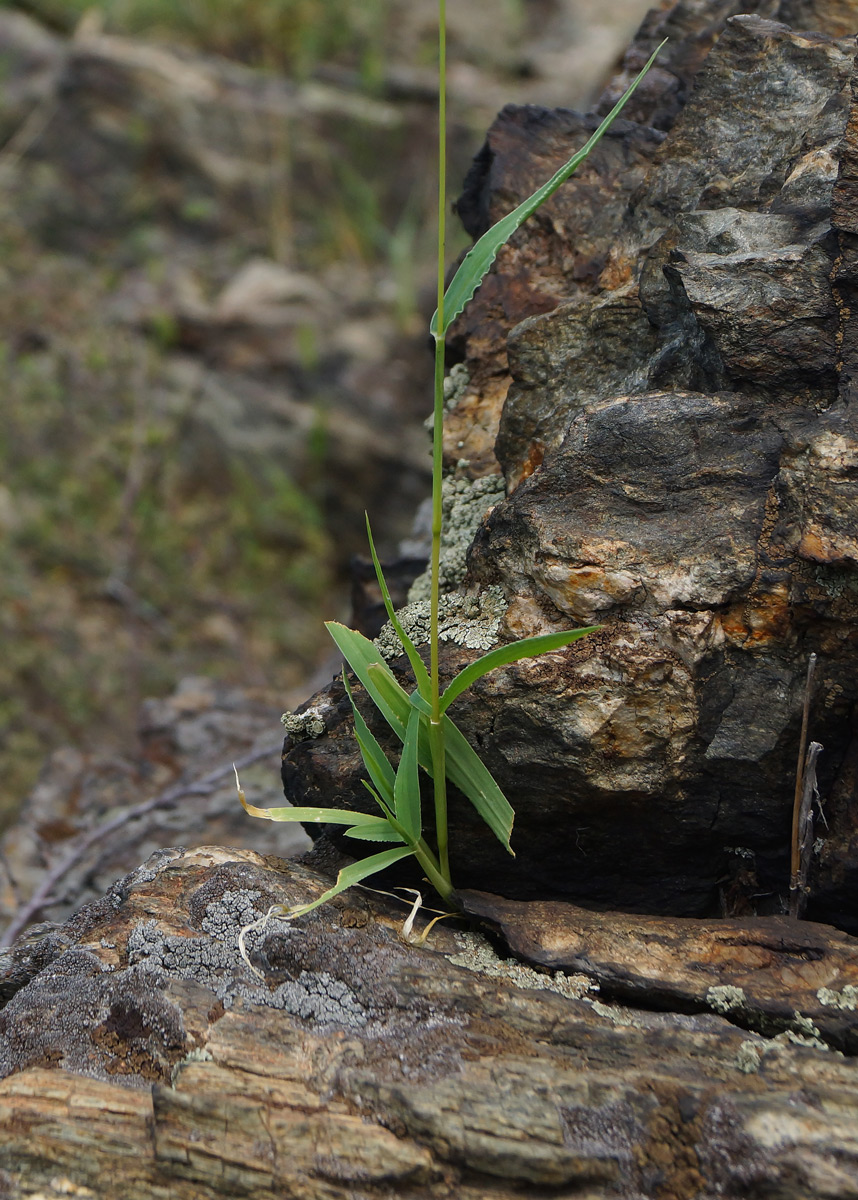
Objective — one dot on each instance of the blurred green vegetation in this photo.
(123, 565)
(129, 559)
(293, 35)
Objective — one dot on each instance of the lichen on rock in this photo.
(465, 504)
(309, 724)
(467, 618)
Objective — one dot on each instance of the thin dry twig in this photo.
(795, 856)
(809, 793)
(44, 894)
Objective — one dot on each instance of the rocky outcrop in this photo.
(678, 447)
(141, 1055)
(665, 356)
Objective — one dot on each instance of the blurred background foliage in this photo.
(186, 446)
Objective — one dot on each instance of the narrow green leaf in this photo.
(418, 702)
(355, 873)
(421, 675)
(361, 654)
(375, 760)
(467, 771)
(407, 787)
(381, 832)
(391, 695)
(387, 809)
(480, 257)
(499, 657)
(472, 777)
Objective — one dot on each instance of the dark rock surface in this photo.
(760, 970)
(140, 1056)
(680, 446)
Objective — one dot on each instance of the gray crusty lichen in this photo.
(465, 503)
(308, 724)
(725, 998)
(467, 618)
(846, 998)
(214, 962)
(477, 954)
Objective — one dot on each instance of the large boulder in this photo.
(661, 366)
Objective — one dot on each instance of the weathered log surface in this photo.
(141, 1057)
(666, 354)
(777, 967)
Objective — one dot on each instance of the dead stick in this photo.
(798, 894)
(795, 857)
(44, 894)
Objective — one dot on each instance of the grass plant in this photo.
(431, 742)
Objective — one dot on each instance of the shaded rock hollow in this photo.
(660, 364)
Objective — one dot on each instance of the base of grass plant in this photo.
(396, 792)
(282, 912)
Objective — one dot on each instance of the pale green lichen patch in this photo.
(465, 503)
(725, 998)
(803, 1033)
(455, 385)
(478, 955)
(749, 1057)
(467, 620)
(846, 998)
(309, 724)
(199, 1054)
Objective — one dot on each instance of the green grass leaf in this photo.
(360, 653)
(421, 675)
(525, 648)
(356, 873)
(394, 696)
(375, 760)
(383, 831)
(407, 787)
(480, 257)
(467, 771)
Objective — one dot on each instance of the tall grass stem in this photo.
(436, 735)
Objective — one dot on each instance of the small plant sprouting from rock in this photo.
(430, 740)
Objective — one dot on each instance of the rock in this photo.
(92, 816)
(137, 1048)
(679, 446)
(571, 250)
(792, 976)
